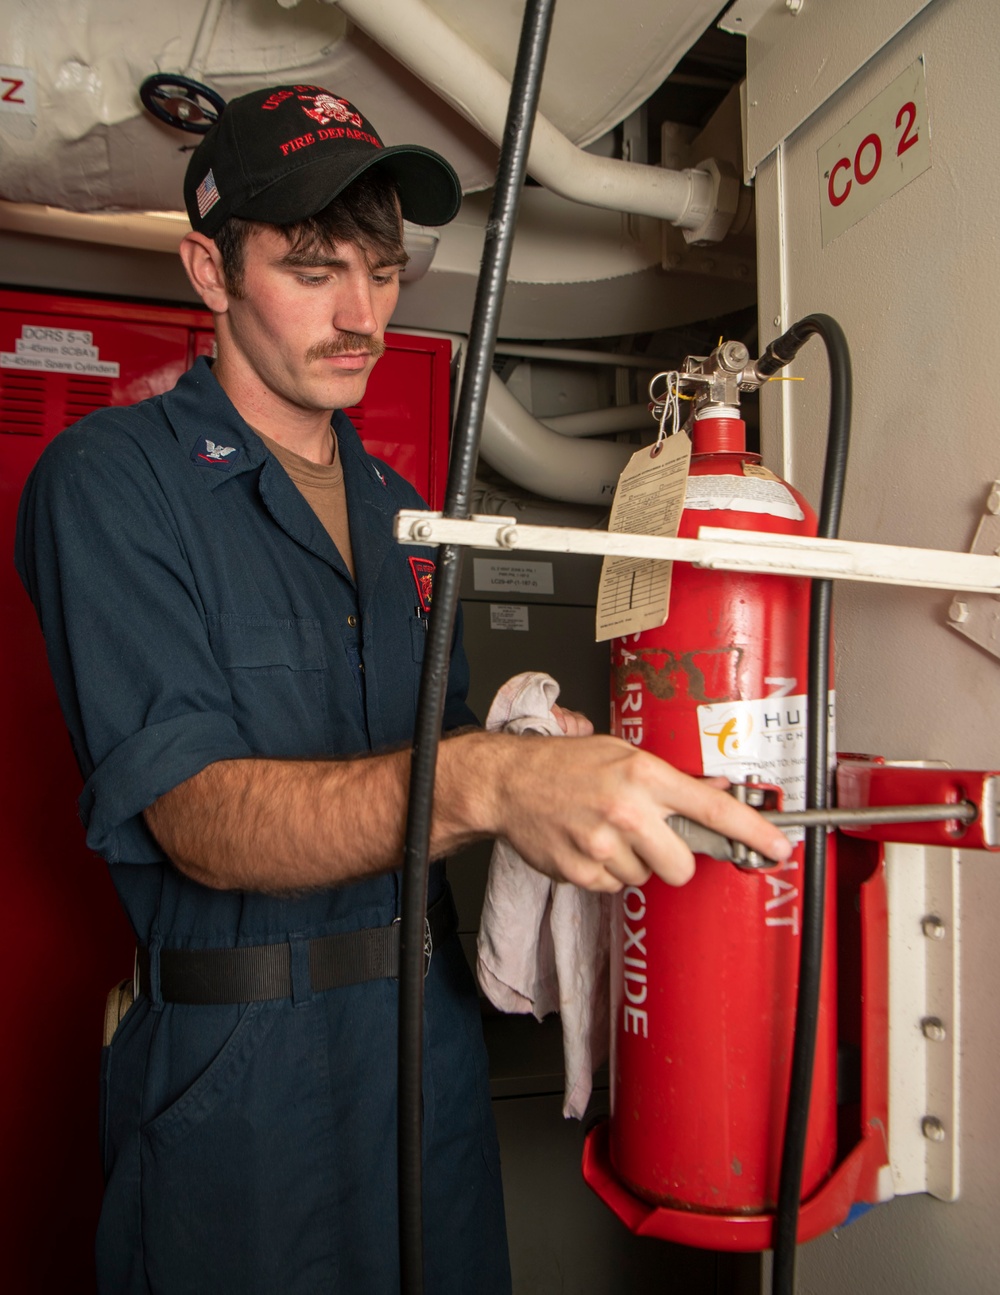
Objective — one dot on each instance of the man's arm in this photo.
(591, 811)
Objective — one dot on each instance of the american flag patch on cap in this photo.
(207, 194)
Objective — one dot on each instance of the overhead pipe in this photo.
(580, 355)
(526, 452)
(544, 459)
(147, 231)
(599, 422)
(702, 203)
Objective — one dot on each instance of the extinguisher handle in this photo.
(702, 840)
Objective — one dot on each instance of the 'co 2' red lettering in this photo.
(868, 157)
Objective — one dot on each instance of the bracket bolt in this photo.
(422, 530)
(794, 6)
(933, 1029)
(508, 537)
(993, 500)
(959, 610)
(933, 928)
(932, 1129)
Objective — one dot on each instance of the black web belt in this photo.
(258, 972)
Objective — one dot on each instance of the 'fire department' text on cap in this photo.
(280, 155)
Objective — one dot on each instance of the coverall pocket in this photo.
(275, 666)
(234, 1197)
(217, 1084)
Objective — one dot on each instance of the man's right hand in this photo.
(593, 811)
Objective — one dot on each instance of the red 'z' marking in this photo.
(9, 96)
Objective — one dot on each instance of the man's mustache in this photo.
(347, 344)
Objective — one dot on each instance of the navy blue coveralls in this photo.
(194, 610)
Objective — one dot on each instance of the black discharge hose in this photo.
(779, 353)
(483, 330)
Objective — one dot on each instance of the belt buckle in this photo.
(428, 942)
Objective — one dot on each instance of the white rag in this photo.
(543, 945)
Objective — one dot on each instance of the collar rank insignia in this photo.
(423, 577)
(221, 457)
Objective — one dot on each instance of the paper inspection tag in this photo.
(634, 593)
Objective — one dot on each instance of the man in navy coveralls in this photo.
(236, 640)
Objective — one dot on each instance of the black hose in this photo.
(814, 875)
(511, 169)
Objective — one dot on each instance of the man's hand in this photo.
(593, 812)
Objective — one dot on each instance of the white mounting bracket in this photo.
(719, 549)
(922, 890)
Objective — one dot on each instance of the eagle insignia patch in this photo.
(215, 456)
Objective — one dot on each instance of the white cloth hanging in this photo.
(544, 945)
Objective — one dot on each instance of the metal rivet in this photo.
(993, 500)
(777, 320)
(959, 610)
(933, 1029)
(933, 928)
(932, 1129)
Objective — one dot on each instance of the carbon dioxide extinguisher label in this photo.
(765, 737)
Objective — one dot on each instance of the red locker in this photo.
(63, 938)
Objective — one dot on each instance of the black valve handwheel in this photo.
(181, 102)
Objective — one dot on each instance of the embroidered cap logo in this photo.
(327, 108)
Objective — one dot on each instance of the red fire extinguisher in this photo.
(704, 976)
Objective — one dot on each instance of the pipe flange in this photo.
(721, 211)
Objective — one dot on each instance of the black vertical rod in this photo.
(511, 170)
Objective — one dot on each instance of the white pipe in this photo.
(150, 231)
(580, 355)
(516, 444)
(423, 42)
(532, 456)
(598, 422)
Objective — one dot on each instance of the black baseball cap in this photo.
(280, 155)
